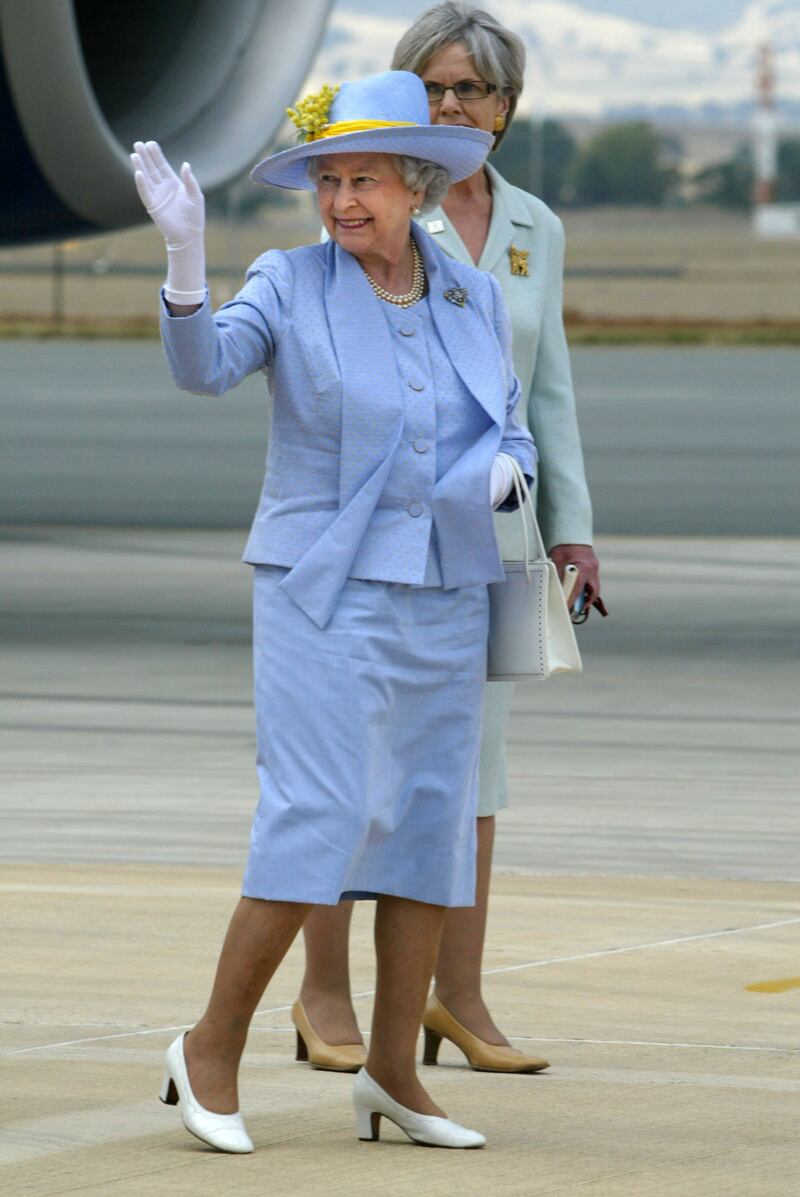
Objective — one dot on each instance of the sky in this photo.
(587, 57)
(675, 14)
(671, 14)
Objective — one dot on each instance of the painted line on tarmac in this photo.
(717, 1047)
(511, 968)
(639, 947)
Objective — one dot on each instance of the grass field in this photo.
(681, 276)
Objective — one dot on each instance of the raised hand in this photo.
(175, 202)
(176, 205)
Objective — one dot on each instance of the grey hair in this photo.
(417, 173)
(498, 53)
(421, 175)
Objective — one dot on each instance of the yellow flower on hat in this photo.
(310, 115)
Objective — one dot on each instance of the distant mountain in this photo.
(592, 64)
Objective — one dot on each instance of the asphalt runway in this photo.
(677, 441)
(126, 729)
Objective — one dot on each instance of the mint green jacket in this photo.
(541, 357)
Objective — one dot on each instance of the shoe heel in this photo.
(168, 1094)
(369, 1124)
(433, 1041)
(302, 1050)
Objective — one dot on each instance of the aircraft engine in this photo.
(80, 80)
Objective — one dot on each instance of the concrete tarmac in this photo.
(648, 874)
(668, 1076)
(678, 441)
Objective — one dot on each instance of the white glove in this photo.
(177, 207)
(501, 479)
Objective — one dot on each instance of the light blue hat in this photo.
(382, 114)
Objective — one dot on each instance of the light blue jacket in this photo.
(309, 318)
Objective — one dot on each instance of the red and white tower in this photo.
(770, 218)
(766, 128)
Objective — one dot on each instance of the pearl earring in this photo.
(416, 211)
(499, 123)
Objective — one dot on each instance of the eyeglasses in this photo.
(465, 89)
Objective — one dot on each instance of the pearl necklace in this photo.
(417, 283)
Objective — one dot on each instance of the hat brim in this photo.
(461, 151)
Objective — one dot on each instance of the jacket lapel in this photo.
(372, 398)
(372, 424)
(508, 214)
(446, 237)
(463, 330)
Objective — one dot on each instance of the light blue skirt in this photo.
(368, 743)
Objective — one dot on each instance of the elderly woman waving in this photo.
(373, 543)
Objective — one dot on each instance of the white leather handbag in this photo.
(530, 630)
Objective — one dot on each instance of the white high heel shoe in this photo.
(226, 1132)
(371, 1103)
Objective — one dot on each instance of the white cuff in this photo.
(501, 480)
(183, 297)
(186, 272)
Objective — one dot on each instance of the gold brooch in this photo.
(457, 295)
(519, 261)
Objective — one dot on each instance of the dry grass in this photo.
(31, 325)
(688, 276)
(581, 330)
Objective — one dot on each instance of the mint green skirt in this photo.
(493, 794)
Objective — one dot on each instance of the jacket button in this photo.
(421, 446)
(405, 330)
(416, 384)
(415, 509)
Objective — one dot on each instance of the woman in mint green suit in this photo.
(473, 69)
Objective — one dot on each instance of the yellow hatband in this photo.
(340, 127)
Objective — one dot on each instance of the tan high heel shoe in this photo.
(439, 1024)
(342, 1057)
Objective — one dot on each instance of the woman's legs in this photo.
(326, 984)
(325, 992)
(458, 967)
(259, 936)
(407, 938)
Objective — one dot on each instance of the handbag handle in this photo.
(525, 503)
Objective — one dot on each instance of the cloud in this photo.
(588, 63)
